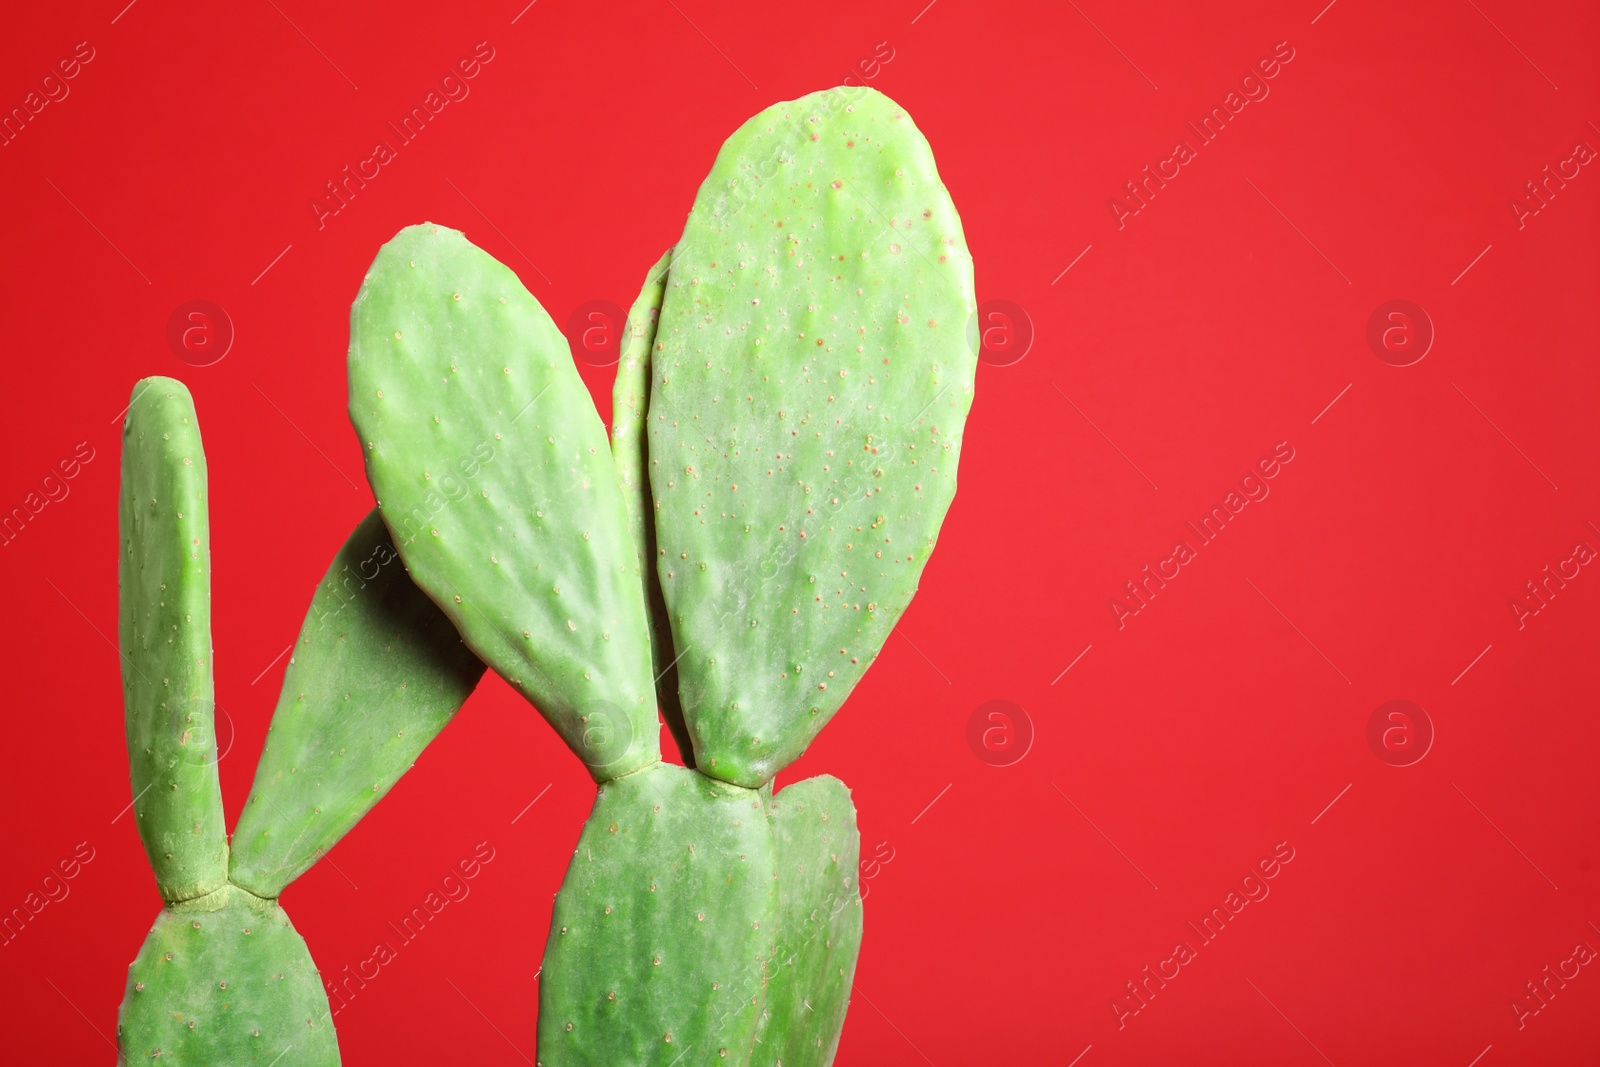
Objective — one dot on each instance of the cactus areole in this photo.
(787, 422)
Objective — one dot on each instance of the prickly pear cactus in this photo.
(812, 371)
(630, 445)
(803, 389)
(493, 472)
(663, 927)
(377, 672)
(787, 422)
(164, 630)
(223, 978)
(819, 924)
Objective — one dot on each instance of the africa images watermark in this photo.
(53, 888)
(54, 488)
(453, 87)
(1551, 580)
(1551, 981)
(453, 888)
(1538, 192)
(450, 489)
(53, 89)
(1253, 88)
(1253, 888)
(1253, 488)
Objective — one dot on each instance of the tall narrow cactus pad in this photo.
(164, 631)
(819, 924)
(630, 445)
(494, 475)
(663, 927)
(377, 672)
(225, 979)
(812, 372)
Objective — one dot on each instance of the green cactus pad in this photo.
(376, 674)
(630, 400)
(663, 927)
(164, 632)
(494, 475)
(819, 924)
(225, 980)
(813, 369)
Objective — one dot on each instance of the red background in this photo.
(1222, 319)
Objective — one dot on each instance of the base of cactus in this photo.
(704, 923)
(225, 979)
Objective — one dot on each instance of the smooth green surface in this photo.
(812, 373)
(819, 924)
(225, 980)
(377, 672)
(164, 634)
(630, 445)
(663, 927)
(495, 477)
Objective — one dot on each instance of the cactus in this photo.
(493, 473)
(164, 631)
(376, 673)
(786, 425)
(787, 420)
(630, 401)
(813, 367)
(223, 978)
(819, 924)
(809, 376)
(663, 926)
